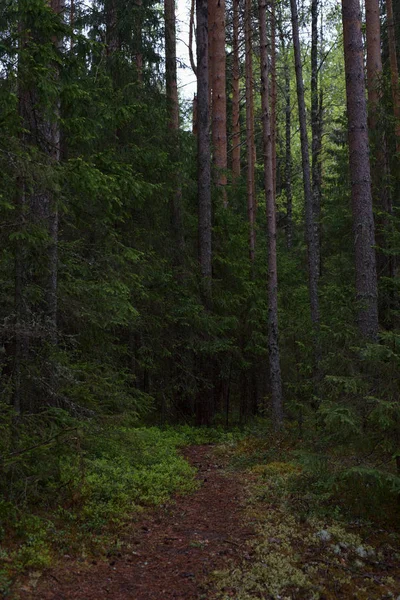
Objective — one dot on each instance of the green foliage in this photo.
(90, 482)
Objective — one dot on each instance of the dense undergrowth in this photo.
(321, 530)
(70, 487)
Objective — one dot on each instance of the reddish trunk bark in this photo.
(251, 200)
(363, 223)
(203, 151)
(236, 95)
(219, 138)
(273, 333)
(394, 71)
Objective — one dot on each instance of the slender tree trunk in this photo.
(194, 115)
(219, 137)
(363, 222)
(251, 199)
(191, 28)
(273, 90)
(236, 95)
(288, 152)
(380, 194)
(394, 71)
(203, 152)
(313, 267)
(112, 34)
(173, 114)
(139, 40)
(316, 132)
(273, 334)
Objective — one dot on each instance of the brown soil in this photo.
(171, 552)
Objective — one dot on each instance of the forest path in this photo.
(171, 551)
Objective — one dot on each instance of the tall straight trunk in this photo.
(288, 152)
(191, 29)
(203, 152)
(236, 95)
(363, 222)
(273, 89)
(313, 266)
(173, 121)
(112, 35)
(219, 137)
(139, 40)
(273, 333)
(380, 193)
(250, 145)
(316, 132)
(394, 71)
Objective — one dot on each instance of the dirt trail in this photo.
(173, 549)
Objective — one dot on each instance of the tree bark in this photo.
(288, 152)
(380, 195)
(273, 90)
(363, 222)
(251, 199)
(394, 71)
(203, 153)
(173, 114)
(219, 137)
(191, 28)
(268, 149)
(313, 269)
(316, 132)
(236, 95)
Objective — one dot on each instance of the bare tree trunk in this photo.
(273, 333)
(316, 132)
(394, 71)
(112, 35)
(203, 152)
(380, 193)
(139, 40)
(236, 95)
(251, 199)
(288, 152)
(363, 222)
(191, 28)
(219, 137)
(194, 115)
(173, 113)
(313, 269)
(273, 90)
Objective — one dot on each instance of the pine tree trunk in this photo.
(236, 95)
(363, 222)
(251, 199)
(203, 152)
(273, 90)
(316, 132)
(288, 153)
(112, 35)
(173, 114)
(380, 193)
(273, 334)
(139, 40)
(219, 137)
(313, 266)
(394, 71)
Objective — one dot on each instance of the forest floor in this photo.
(234, 537)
